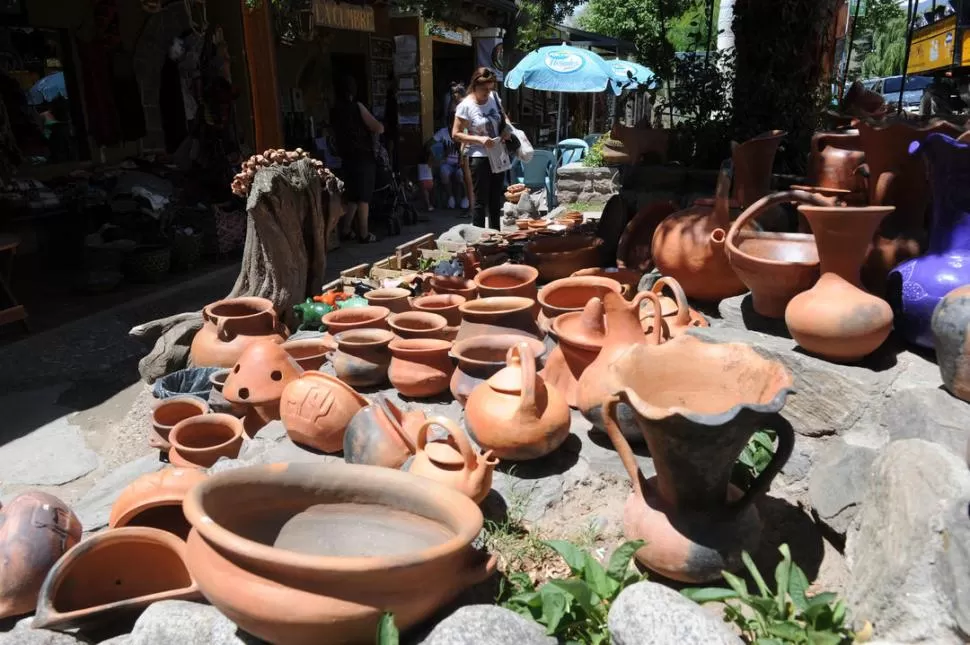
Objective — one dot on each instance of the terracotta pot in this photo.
(417, 324)
(697, 405)
(199, 442)
(114, 575)
(36, 529)
(634, 250)
(155, 500)
(628, 279)
(397, 300)
(336, 547)
(420, 367)
(560, 257)
(380, 434)
(836, 319)
(309, 353)
(363, 356)
(580, 337)
(776, 267)
(217, 401)
(257, 380)
(834, 162)
(515, 414)
(452, 461)
(753, 161)
(490, 316)
(951, 320)
(446, 305)
(508, 280)
(678, 317)
(522, 224)
(356, 318)
(317, 408)
(572, 294)
(442, 285)
(480, 357)
(230, 326)
(169, 412)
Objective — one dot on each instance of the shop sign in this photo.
(448, 34)
(343, 16)
(932, 46)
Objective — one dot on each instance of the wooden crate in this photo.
(404, 261)
(347, 279)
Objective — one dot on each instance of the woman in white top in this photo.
(480, 124)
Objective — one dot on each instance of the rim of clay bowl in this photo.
(507, 304)
(387, 293)
(356, 315)
(501, 343)
(190, 399)
(453, 299)
(609, 284)
(528, 273)
(259, 305)
(153, 490)
(417, 345)
(361, 338)
(437, 322)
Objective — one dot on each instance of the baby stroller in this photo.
(390, 202)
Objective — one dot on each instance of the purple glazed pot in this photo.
(918, 285)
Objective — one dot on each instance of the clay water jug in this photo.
(452, 461)
(837, 319)
(515, 414)
(916, 286)
(580, 336)
(381, 434)
(230, 326)
(697, 404)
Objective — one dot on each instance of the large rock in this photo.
(930, 414)
(24, 634)
(487, 625)
(651, 614)
(839, 482)
(186, 623)
(907, 548)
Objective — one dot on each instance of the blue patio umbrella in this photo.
(47, 89)
(627, 72)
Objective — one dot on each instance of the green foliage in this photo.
(888, 50)
(387, 633)
(594, 158)
(688, 31)
(754, 458)
(781, 615)
(574, 610)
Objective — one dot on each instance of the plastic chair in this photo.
(592, 139)
(538, 173)
(571, 151)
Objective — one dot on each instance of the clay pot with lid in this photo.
(420, 367)
(452, 461)
(480, 357)
(114, 575)
(257, 380)
(155, 500)
(776, 267)
(36, 529)
(560, 257)
(167, 413)
(572, 294)
(508, 280)
(502, 315)
(317, 408)
(333, 548)
(836, 319)
(446, 304)
(309, 353)
(363, 356)
(396, 299)
(417, 324)
(230, 326)
(515, 414)
(381, 434)
(678, 316)
(629, 279)
(369, 317)
(580, 337)
(199, 442)
(443, 285)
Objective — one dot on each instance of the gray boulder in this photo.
(907, 547)
(651, 614)
(838, 483)
(186, 623)
(931, 414)
(24, 634)
(487, 625)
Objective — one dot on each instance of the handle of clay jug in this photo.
(620, 443)
(762, 205)
(786, 442)
(658, 318)
(464, 446)
(683, 308)
(222, 331)
(527, 361)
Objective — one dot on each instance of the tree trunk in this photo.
(284, 259)
(725, 30)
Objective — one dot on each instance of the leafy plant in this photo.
(594, 158)
(783, 615)
(754, 458)
(387, 633)
(575, 609)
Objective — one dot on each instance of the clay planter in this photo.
(292, 551)
(480, 357)
(446, 305)
(776, 267)
(950, 325)
(560, 257)
(397, 300)
(697, 405)
(628, 279)
(217, 400)
(309, 353)
(155, 500)
(515, 414)
(836, 319)
(380, 434)
(230, 326)
(508, 280)
(257, 380)
(113, 576)
(420, 367)
(169, 412)
(36, 529)
(580, 337)
(572, 294)
(491, 316)
(417, 324)
(678, 317)
(442, 285)
(200, 441)
(362, 356)
(452, 461)
(317, 408)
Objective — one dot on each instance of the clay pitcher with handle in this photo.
(678, 317)
(452, 461)
(697, 405)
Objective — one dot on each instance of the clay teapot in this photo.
(381, 434)
(257, 380)
(480, 357)
(689, 246)
(580, 336)
(515, 414)
(452, 461)
(678, 316)
(316, 409)
(230, 326)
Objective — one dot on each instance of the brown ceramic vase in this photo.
(452, 461)
(309, 353)
(317, 408)
(560, 257)
(420, 368)
(678, 317)
(169, 412)
(381, 434)
(634, 250)
(503, 315)
(580, 336)
(257, 380)
(155, 500)
(446, 305)
(397, 300)
(480, 357)
(199, 442)
(417, 324)
(363, 356)
(230, 326)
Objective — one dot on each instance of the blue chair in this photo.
(571, 151)
(592, 139)
(538, 173)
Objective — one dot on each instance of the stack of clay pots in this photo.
(515, 193)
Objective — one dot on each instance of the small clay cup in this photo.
(356, 318)
(309, 353)
(167, 413)
(397, 300)
(446, 305)
(417, 324)
(198, 442)
(362, 356)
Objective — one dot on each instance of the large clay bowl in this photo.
(167, 413)
(572, 294)
(776, 267)
(398, 300)
(356, 318)
(309, 353)
(155, 500)
(445, 304)
(417, 324)
(200, 441)
(292, 551)
(560, 257)
(505, 315)
(508, 280)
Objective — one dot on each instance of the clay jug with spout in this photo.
(452, 461)
(580, 337)
(515, 414)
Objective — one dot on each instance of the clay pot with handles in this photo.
(452, 461)
(230, 326)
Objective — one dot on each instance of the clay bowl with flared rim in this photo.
(776, 267)
(503, 315)
(445, 304)
(571, 294)
(457, 286)
(113, 574)
(356, 318)
(167, 413)
(218, 379)
(397, 299)
(309, 353)
(287, 550)
(200, 441)
(507, 280)
(417, 324)
(629, 279)
(155, 500)
(559, 257)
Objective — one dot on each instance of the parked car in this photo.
(889, 88)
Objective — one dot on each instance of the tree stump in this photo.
(284, 259)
